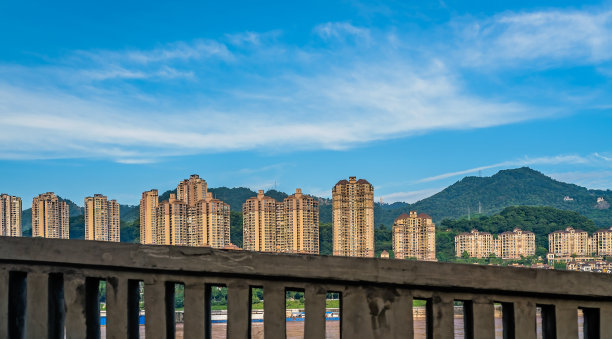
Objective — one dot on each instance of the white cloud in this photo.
(410, 196)
(545, 37)
(342, 31)
(552, 160)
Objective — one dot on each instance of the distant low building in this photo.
(598, 266)
(513, 244)
(384, 254)
(414, 236)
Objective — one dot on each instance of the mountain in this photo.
(513, 187)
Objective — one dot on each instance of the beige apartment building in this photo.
(259, 219)
(507, 245)
(298, 224)
(602, 242)
(515, 244)
(290, 226)
(148, 210)
(10, 215)
(353, 218)
(192, 190)
(210, 222)
(414, 236)
(568, 242)
(50, 217)
(101, 219)
(476, 244)
(191, 217)
(171, 222)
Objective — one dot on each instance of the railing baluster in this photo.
(77, 313)
(525, 320)
(37, 309)
(195, 306)
(442, 317)
(274, 310)
(484, 318)
(566, 320)
(605, 321)
(116, 308)
(355, 313)
(238, 309)
(4, 303)
(314, 328)
(156, 324)
(401, 310)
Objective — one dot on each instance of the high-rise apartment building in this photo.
(259, 220)
(101, 219)
(568, 242)
(192, 190)
(49, 217)
(353, 218)
(191, 217)
(414, 236)
(171, 222)
(602, 242)
(10, 216)
(516, 244)
(476, 244)
(210, 222)
(298, 224)
(148, 210)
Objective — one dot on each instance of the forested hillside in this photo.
(514, 187)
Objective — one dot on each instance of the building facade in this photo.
(476, 244)
(515, 244)
(10, 215)
(148, 215)
(259, 220)
(191, 217)
(102, 221)
(171, 222)
(414, 236)
(298, 224)
(569, 242)
(602, 242)
(50, 217)
(192, 190)
(210, 222)
(353, 218)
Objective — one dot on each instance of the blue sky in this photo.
(118, 98)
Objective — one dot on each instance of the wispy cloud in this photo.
(410, 196)
(342, 31)
(546, 37)
(552, 160)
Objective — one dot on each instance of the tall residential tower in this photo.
(353, 218)
(148, 208)
(49, 217)
(101, 219)
(414, 236)
(10, 215)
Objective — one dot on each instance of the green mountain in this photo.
(513, 187)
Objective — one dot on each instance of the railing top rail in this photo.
(286, 267)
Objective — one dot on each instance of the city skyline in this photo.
(473, 88)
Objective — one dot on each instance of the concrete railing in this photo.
(51, 286)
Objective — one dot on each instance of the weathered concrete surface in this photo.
(376, 294)
(202, 261)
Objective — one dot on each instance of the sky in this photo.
(122, 97)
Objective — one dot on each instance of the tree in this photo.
(465, 255)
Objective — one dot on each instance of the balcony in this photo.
(49, 288)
